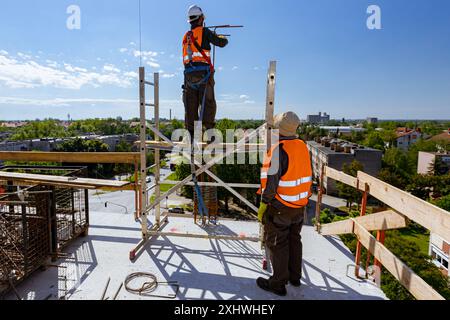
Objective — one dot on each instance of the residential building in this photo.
(318, 119)
(407, 137)
(439, 252)
(427, 160)
(444, 136)
(372, 120)
(335, 153)
(342, 130)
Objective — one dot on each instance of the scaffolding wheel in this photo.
(132, 255)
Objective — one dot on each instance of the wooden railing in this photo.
(404, 206)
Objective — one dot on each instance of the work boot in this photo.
(295, 283)
(264, 284)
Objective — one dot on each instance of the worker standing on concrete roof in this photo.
(286, 181)
(198, 88)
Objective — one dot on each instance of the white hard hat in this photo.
(194, 13)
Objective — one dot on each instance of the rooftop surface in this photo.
(327, 150)
(204, 269)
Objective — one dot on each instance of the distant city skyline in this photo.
(328, 59)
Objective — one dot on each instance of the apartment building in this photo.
(335, 153)
(428, 159)
(318, 119)
(439, 252)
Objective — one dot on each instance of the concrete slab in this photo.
(204, 269)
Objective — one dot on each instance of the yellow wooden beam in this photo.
(411, 281)
(431, 217)
(386, 220)
(71, 157)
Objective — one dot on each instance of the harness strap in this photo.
(191, 38)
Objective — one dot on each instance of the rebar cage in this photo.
(24, 233)
(36, 223)
(71, 215)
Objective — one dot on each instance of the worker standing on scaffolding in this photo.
(286, 181)
(198, 89)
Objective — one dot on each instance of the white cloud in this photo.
(110, 68)
(24, 56)
(3, 52)
(131, 74)
(145, 54)
(244, 97)
(133, 44)
(168, 75)
(62, 102)
(235, 68)
(31, 74)
(249, 102)
(153, 64)
(256, 68)
(123, 50)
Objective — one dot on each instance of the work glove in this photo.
(261, 211)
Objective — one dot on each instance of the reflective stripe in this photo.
(295, 183)
(197, 55)
(299, 197)
(264, 175)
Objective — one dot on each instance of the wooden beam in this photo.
(215, 184)
(431, 217)
(202, 236)
(165, 145)
(341, 177)
(70, 157)
(386, 220)
(411, 281)
(63, 181)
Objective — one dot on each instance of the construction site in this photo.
(65, 236)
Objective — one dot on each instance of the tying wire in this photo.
(149, 286)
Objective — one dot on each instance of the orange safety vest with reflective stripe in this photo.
(190, 52)
(294, 189)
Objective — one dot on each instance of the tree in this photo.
(374, 140)
(81, 145)
(348, 192)
(48, 128)
(443, 202)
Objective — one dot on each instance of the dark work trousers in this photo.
(284, 242)
(193, 99)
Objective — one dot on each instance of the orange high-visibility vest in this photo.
(294, 189)
(190, 52)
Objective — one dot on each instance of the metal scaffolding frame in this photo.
(241, 146)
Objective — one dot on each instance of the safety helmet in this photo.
(194, 13)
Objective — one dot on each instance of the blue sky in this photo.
(328, 60)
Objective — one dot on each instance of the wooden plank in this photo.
(70, 157)
(165, 145)
(215, 184)
(341, 177)
(411, 281)
(386, 220)
(66, 181)
(202, 236)
(435, 219)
